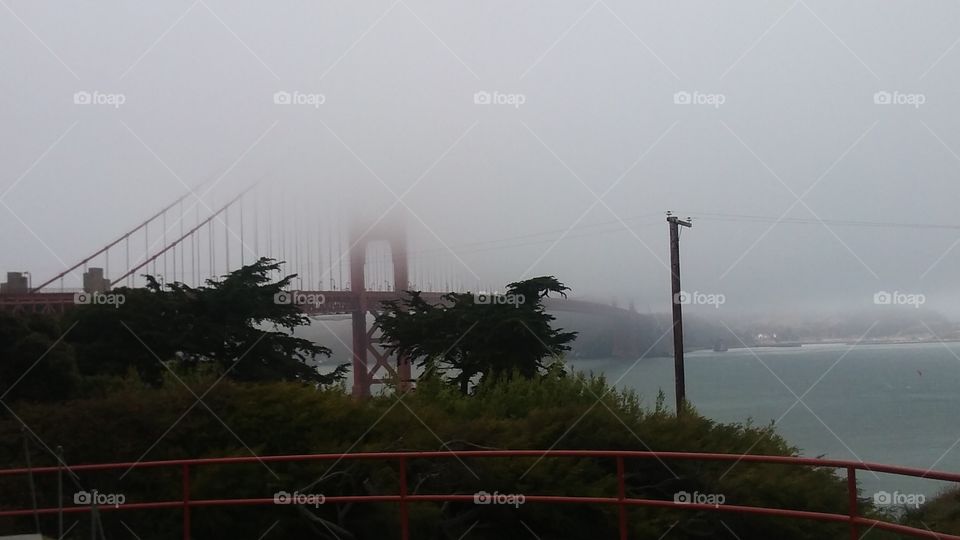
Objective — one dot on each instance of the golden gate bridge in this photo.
(353, 267)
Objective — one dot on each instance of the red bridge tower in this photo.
(366, 338)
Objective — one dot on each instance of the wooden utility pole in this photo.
(676, 300)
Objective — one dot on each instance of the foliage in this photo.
(233, 323)
(941, 513)
(557, 409)
(35, 363)
(470, 340)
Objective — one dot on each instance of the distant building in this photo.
(16, 283)
(93, 281)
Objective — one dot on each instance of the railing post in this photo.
(852, 501)
(186, 501)
(94, 516)
(60, 463)
(621, 496)
(32, 483)
(404, 516)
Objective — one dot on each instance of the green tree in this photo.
(35, 363)
(234, 324)
(471, 337)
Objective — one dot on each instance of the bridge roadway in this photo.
(322, 303)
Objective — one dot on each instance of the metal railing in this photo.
(852, 518)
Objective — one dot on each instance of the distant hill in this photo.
(596, 334)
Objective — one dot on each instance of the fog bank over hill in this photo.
(705, 329)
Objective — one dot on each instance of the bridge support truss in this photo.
(366, 338)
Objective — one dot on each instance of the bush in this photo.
(133, 422)
(941, 513)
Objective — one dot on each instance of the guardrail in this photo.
(852, 518)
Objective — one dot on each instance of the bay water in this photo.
(896, 404)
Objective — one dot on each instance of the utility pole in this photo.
(675, 298)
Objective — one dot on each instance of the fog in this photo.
(586, 141)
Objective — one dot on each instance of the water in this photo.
(895, 404)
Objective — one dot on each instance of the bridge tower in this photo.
(366, 342)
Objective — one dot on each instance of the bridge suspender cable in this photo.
(197, 227)
(122, 238)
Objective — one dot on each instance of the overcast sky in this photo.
(588, 135)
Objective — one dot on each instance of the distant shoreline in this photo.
(901, 342)
(838, 342)
(798, 345)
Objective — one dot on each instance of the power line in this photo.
(620, 225)
(811, 221)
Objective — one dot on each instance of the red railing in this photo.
(852, 518)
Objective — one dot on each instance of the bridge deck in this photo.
(312, 302)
